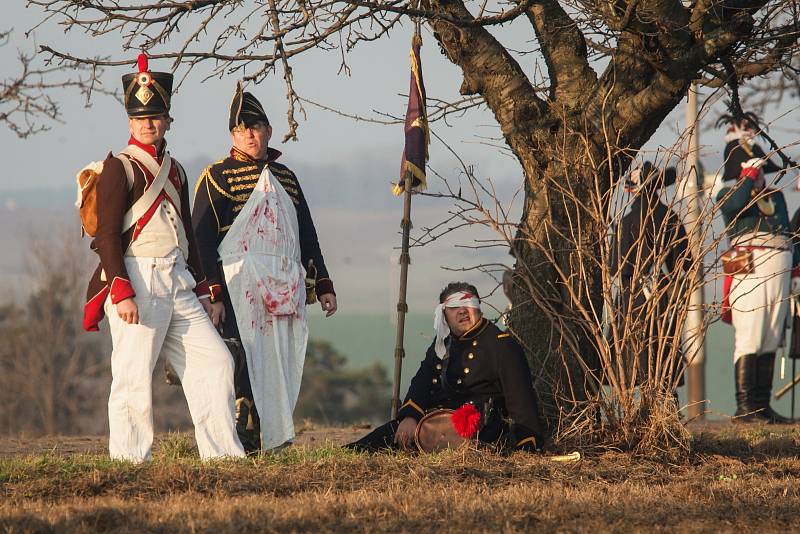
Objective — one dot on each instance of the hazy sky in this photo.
(344, 166)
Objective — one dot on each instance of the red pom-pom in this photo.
(142, 62)
(751, 173)
(466, 420)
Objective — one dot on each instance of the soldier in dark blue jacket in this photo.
(756, 300)
(650, 257)
(470, 362)
(221, 194)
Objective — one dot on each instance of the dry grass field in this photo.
(735, 480)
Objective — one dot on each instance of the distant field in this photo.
(369, 338)
(735, 480)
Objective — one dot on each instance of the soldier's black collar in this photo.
(238, 155)
(475, 331)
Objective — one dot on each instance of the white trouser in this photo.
(171, 321)
(760, 302)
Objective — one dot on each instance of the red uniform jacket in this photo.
(114, 199)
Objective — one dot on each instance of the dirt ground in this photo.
(307, 435)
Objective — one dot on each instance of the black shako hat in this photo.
(649, 177)
(147, 94)
(246, 110)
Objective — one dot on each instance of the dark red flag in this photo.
(415, 152)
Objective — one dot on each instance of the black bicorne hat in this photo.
(246, 110)
(147, 94)
(649, 177)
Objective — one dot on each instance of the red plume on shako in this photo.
(144, 77)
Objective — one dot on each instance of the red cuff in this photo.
(93, 311)
(202, 289)
(215, 290)
(121, 289)
(795, 271)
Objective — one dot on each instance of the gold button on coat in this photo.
(434, 381)
(475, 343)
(466, 370)
(438, 365)
(470, 356)
(458, 381)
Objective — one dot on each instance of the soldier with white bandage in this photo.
(471, 364)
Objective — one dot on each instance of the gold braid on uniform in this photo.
(236, 198)
(289, 182)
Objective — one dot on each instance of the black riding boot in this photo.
(764, 375)
(248, 424)
(747, 409)
(382, 438)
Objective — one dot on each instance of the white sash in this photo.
(160, 183)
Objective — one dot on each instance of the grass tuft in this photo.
(177, 446)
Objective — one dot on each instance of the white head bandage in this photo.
(460, 299)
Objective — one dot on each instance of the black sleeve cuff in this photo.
(324, 286)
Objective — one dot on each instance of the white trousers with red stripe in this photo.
(760, 302)
(172, 322)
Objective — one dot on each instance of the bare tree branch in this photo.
(27, 102)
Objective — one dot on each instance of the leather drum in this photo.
(435, 432)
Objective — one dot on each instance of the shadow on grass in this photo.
(756, 442)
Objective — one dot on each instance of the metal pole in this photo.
(696, 380)
(402, 306)
(794, 373)
(790, 349)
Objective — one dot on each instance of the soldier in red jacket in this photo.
(151, 286)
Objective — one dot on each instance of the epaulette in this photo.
(209, 179)
(210, 167)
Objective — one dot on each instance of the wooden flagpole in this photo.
(405, 225)
(402, 305)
